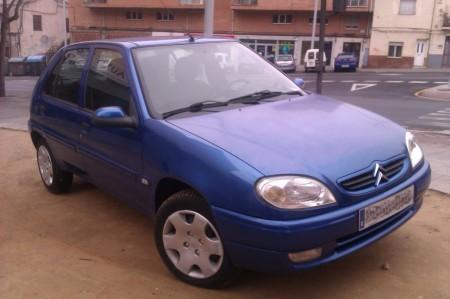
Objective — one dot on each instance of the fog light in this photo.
(307, 255)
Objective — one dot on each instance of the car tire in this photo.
(189, 243)
(54, 178)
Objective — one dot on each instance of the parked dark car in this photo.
(345, 61)
(238, 165)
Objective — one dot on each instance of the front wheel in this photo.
(54, 178)
(189, 242)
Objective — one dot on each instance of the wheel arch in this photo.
(166, 187)
(35, 137)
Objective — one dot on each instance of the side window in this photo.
(107, 84)
(64, 81)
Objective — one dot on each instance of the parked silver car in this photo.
(285, 63)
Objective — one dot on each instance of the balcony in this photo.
(270, 5)
(357, 5)
(156, 4)
(446, 22)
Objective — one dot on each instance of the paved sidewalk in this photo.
(441, 92)
(404, 70)
(437, 152)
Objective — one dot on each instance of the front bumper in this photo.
(263, 245)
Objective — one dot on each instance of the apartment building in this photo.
(41, 26)
(271, 27)
(410, 33)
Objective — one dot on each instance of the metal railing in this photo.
(245, 2)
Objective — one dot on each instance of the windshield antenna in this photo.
(191, 38)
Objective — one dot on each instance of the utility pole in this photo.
(65, 23)
(313, 36)
(208, 22)
(323, 9)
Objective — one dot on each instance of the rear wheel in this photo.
(189, 243)
(54, 178)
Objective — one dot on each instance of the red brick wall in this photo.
(377, 61)
(83, 18)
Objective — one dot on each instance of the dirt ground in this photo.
(88, 245)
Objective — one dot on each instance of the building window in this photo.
(281, 19)
(67, 25)
(395, 50)
(37, 22)
(407, 7)
(351, 23)
(165, 16)
(311, 21)
(357, 3)
(134, 15)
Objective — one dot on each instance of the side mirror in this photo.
(299, 82)
(112, 117)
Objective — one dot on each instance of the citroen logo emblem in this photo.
(378, 174)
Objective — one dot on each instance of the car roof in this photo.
(154, 41)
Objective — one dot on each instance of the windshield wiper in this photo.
(252, 98)
(196, 107)
(255, 97)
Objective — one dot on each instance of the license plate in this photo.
(386, 208)
(345, 65)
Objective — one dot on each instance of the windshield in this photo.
(176, 76)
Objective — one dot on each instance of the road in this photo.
(390, 94)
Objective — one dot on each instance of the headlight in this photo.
(294, 192)
(414, 150)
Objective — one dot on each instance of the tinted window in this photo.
(64, 81)
(107, 84)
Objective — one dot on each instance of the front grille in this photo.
(367, 179)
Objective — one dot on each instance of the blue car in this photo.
(240, 167)
(345, 62)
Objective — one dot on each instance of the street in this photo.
(390, 94)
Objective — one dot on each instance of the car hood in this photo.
(310, 135)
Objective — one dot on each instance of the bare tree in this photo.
(10, 12)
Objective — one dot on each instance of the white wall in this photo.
(53, 27)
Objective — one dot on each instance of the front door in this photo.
(419, 57)
(446, 57)
(112, 156)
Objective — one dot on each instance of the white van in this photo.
(311, 60)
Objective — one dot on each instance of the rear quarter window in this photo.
(64, 81)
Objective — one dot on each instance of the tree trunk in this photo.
(3, 41)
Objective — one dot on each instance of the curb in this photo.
(418, 94)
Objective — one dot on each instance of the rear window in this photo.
(64, 81)
(284, 58)
(311, 55)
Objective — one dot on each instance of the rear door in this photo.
(112, 156)
(58, 110)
